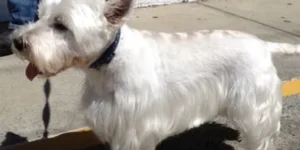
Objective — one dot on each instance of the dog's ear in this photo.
(117, 11)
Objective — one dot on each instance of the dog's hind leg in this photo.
(255, 111)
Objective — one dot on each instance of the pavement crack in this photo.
(249, 19)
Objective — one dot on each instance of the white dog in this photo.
(142, 87)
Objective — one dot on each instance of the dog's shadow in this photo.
(209, 136)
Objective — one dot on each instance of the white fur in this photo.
(160, 84)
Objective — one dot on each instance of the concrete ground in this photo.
(22, 101)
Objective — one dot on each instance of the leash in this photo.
(46, 110)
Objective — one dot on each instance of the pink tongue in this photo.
(31, 71)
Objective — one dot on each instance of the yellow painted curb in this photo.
(290, 88)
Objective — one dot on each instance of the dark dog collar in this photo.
(108, 54)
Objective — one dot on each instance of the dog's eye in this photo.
(60, 26)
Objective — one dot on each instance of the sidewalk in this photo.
(22, 101)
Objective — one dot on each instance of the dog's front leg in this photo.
(131, 146)
(131, 141)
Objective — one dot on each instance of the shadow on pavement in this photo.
(13, 139)
(209, 136)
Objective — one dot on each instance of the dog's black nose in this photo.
(19, 44)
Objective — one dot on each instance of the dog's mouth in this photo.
(32, 71)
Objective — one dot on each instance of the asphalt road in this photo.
(21, 101)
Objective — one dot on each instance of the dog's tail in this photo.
(283, 48)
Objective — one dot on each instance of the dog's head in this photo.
(68, 33)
